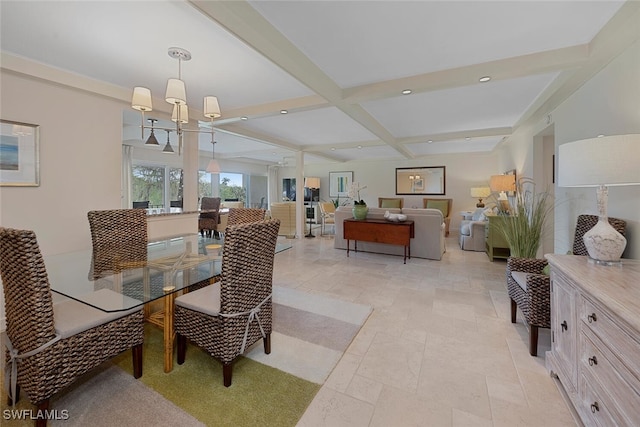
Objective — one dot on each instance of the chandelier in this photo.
(176, 95)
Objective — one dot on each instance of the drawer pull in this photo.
(592, 317)
(594, 407)
(564, 326)
(593, 361)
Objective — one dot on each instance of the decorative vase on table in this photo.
(360, 211)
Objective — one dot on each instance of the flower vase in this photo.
(360, 211)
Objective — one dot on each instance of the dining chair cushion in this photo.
(389, 203)
(71, 317)
(205, 300)
(442, 205)
(521, 279)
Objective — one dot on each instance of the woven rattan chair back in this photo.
(246, 285)
(586, 223)
(27, 297)
(210, 203)
(245, 215)
(119, 240)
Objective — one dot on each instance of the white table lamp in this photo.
(480, 193)
(601, 162)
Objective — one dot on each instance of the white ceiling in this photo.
(338, 67)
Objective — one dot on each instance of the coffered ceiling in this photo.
(337, 67)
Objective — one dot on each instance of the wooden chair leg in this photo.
(182, 348)
(533, 340)
(514, 309)
(17, 396)
(227, 371)
(267, 344)
(136, 353)
(43, 407)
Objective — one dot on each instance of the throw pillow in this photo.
(386, 204)
(477, 215)
(442, 205)
(465, 230)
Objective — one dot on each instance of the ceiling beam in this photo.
(448, 136)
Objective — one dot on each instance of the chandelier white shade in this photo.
(181, 111)
(211, 107)
(601, 162)
(176, 92)
(141, 99)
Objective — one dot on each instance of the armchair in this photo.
(286, 213)
(51, 345)
(472, 232)
(444, 205)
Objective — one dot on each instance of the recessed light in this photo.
(430, 141)
(359, 146)
(484, 79)
(283, 111)
(406, 91)
(244, 118)
(467, 138)
(601, 135)
(333, 148)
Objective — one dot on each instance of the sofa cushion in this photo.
(478, 215)
(442, 205)
(390, 203)
(521, 279)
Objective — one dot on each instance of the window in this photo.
(157, 184)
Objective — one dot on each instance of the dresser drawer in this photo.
(615, 380)
(594, 404)
(627, 348)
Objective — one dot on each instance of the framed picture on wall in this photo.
(339, 183)
(19, 147)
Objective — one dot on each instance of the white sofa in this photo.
(472, 232)
(429, 240)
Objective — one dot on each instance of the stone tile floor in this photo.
(438, 349)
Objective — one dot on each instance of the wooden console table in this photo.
(379, 231)
(595, 327)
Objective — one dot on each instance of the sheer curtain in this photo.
(127, 171)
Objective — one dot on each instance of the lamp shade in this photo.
(141, 99)
(184, 113)
(312, 182)
(211, 107)
(213, 166)
(610, 160)
(503, 183)
(176, 92)
(480, 192)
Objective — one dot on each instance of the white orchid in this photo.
(354, 193)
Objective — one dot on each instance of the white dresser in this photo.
(595, 349)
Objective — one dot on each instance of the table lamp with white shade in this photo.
(480, 193)
(601, 162)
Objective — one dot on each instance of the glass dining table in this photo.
(173, 264)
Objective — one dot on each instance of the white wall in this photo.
(608, 104)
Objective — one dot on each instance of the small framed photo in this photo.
(19, 154)
(339, 183)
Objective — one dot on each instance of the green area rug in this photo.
(254, 398)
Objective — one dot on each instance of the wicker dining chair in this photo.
(119, 238)
(208, 221)
(50, 345)
(245, 215)
(229, 316)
